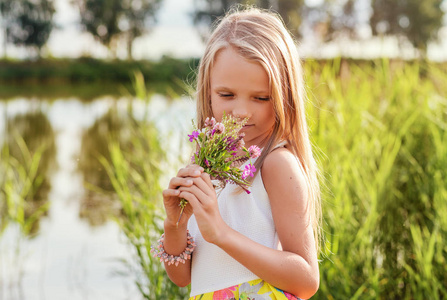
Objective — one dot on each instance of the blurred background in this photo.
(96, 99)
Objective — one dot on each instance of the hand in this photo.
(203, 199)
(171, 195)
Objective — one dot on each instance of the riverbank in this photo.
(89, 78)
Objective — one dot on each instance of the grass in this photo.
(380, 132)
(134, 163)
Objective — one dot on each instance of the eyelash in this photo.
(257, 98)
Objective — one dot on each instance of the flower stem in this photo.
(182, 204)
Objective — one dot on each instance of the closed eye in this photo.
(225, 95)
(262, 98)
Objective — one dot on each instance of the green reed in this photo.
(19, 181)
(381, 139)
(135, 167)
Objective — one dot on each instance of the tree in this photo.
(335, 19)
(109, 20)
(414, 20)
(5, 8)
(29, 23)
(207, 11)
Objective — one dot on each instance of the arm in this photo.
(175, 236)
(175, 243)
(295, 268)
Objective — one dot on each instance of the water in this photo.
(76, 251)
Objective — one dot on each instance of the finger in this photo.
(190, 171)
(175, 182)
(207, 179)
(192, 199)
(171, 193)
(197, 192)
(206, 187)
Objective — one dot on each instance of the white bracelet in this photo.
(159, 251)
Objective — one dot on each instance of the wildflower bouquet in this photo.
(219, 146)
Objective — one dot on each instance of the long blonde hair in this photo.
(260, 36)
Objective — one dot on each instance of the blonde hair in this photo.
(260, 36)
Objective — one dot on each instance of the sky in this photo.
(175, 35)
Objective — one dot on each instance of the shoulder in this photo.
(285, 182)
(282, 174)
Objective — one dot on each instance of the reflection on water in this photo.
(70, 258)
(36, 132)
(96, 207)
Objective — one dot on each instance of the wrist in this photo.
(171, 225)
(222, 235)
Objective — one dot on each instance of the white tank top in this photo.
(212, 268)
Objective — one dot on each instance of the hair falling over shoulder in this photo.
(260, 36)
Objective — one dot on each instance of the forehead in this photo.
(232, 70)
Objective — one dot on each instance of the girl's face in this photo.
(241, 88)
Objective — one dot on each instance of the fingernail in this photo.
(189, 182)
(197, 173)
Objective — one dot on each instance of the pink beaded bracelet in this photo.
(159, 251)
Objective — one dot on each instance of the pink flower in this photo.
(224, 294)
(240, 143)
(210, 122)
(248, 171)
(254, 151)
(219, 127)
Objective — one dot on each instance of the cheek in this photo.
(217, 108)
(270, 116)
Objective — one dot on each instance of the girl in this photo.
(261, 245)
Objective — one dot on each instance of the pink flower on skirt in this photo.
(224, 294)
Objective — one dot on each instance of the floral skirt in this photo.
(256, 289)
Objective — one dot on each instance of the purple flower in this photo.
(254, 151)
(219, 128)
(248, 171)
(210, 133)
(193, 136)
(207, 163)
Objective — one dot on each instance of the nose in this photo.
(241, 109)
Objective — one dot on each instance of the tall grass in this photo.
(135, 168)
(380, 130)
(19, 182)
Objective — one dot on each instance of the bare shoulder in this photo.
(285, 183)
(281, 171)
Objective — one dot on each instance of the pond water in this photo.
(75, 250)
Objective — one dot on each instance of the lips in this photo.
(247, 126)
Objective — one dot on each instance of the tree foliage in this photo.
(335, 18)
(28, 23)
(418, 21)
(109, 20)
(207, 11)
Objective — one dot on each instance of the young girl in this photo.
(261, 245)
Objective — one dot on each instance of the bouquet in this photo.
(220, 151)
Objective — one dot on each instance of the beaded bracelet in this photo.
(159, 251)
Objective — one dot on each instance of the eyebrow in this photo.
(228, 89)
